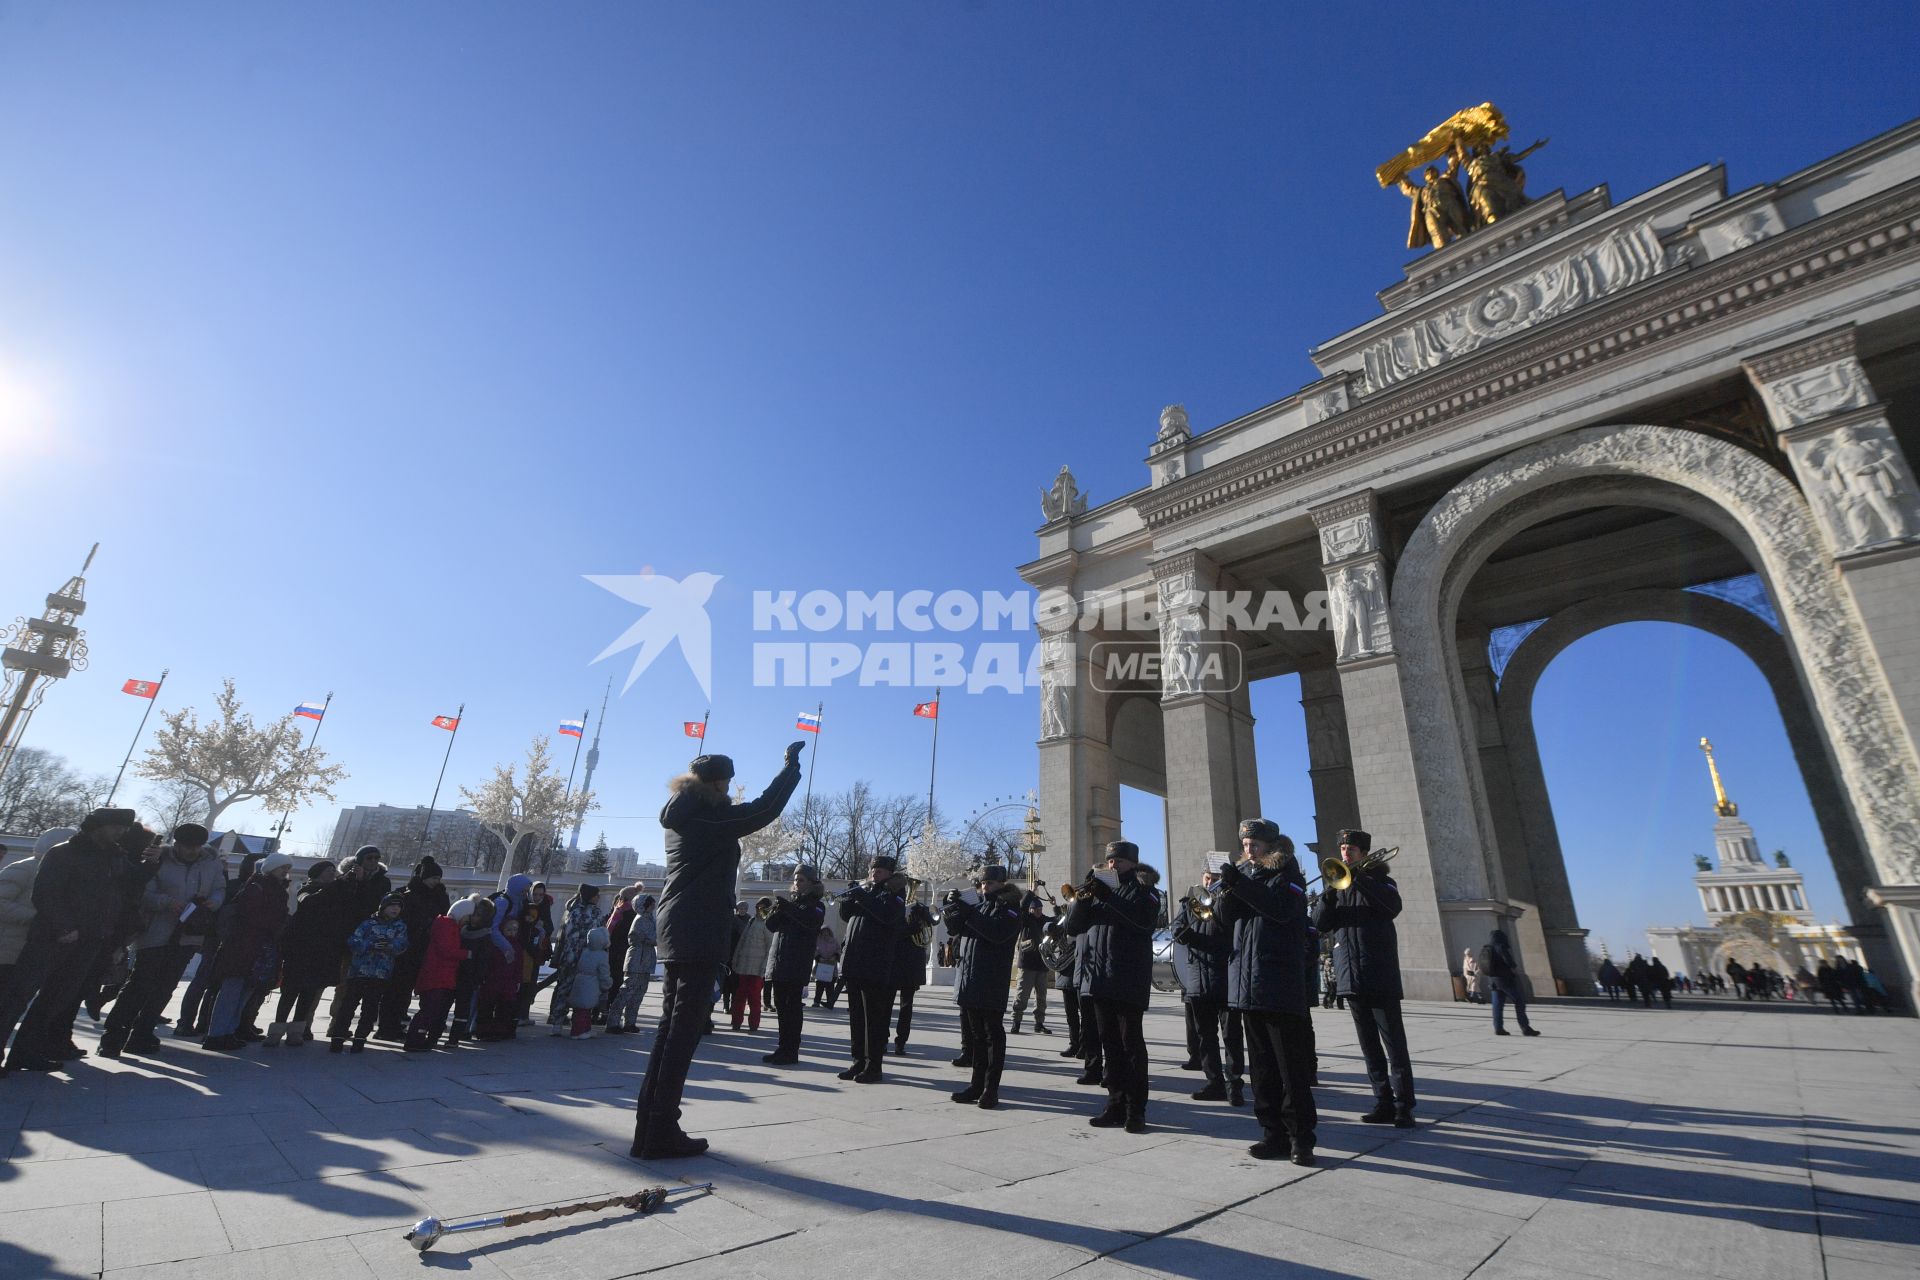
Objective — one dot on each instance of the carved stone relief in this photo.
(1745, 229)
(1863, 489)
(1811, 394)
(1327, 403)
(1357, 610)
(1344, 539)
(1617, 261)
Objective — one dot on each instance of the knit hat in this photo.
(460, 910)
(1357, 838)
(393, 900)
(427, 869)
(711, 768)
(366, 851)
(1123, 849)
(272, 863)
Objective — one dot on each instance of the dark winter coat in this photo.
(1366, 948)
(984, 940)
(909, 959)
(1272, 949)
(259, 913)
(876, 919)
(796, 927)
(422, 904)
(80, 886)
(313, 949)
(703, 860)
(367, 958)
(619, 926)
(1032, 929)
(1114, 956)
(1200, 962)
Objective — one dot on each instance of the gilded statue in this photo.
(1439, 210)
(1497, 185)
(1469, 140)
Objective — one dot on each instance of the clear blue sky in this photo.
(357, 334)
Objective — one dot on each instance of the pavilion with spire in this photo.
(1757, 910)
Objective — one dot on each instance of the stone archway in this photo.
(1539, 839)
(1713, 482)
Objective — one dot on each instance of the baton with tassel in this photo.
(427, 1232)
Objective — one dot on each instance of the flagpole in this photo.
(703, 733)
(933, 763)
(108, 803)
(280, 833)
(806, 806)
(458, 716)
(560, 818)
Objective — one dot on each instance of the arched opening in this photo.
(1717, 486)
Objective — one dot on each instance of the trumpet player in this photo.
(1265, 905)
(1035, 976)
(1366, 958)
(1114, 924)
(795, 924)
(985, 934)
(1204, 940)
(876, 914)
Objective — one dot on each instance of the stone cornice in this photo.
(1825, 348)
(1355, 504)
(1202, 568)
(1875, 412)
(1578, 346)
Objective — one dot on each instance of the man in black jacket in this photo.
(795, 925)
(910, 969)
(876, 916)
(1035, 977)
(1114, 970)
(1366, 955)
(77, 893)
(984, 935)
(1264, 903)
(1202, 947)
(703, 861)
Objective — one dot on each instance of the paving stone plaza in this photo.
(1716, 1139)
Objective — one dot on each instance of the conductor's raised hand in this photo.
(793, 751)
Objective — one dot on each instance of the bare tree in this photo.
(175, 801)
(521, 810)
(231, 761)
(40, 790)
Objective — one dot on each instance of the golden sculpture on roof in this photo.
(1721, 805)
(1497, 185)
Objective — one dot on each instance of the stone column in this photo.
(1862, 491)
(1079, 795)
(1386, 783)
(1509, 827)
(1329, 758)
(1207, 721)
(1867, 506)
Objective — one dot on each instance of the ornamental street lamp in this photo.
(39, 651)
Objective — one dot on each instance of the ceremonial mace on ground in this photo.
(427, 1232)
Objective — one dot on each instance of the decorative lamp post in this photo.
(39, 651)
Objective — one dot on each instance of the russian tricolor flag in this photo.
(809, 722)
(572, 728)
(311, 710)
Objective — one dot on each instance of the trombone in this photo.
(1338, 875)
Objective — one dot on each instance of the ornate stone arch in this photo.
(1714, 482)
(1765, 647)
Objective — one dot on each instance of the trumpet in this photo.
(1199, 903)
(1338, 875)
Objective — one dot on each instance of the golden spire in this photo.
(1721, 805)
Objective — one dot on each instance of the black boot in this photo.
(1018, 1014)
(991, 1097)
(1215, 1091)
(973, 1091)
(1136, 1117)
(1236, 1094)
(1072, 1050)
(1275, 1146)
(1089, 1076)
(1382, 1113)
(1114, 1116)
(852, 1072)
(964, 1060)
(112, 1042)
(1041, 1028)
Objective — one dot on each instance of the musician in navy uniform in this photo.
(1114, 971)
(1264, 902)
(1366, 961)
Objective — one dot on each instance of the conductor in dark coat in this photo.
(1366, 961)
(1264, 902)
(1114, 973)
(703, 859)
(985, 934)
(876, 919)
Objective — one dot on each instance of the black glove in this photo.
(1099, 889)
(1231, 872)
(793, 752)
(1184, 936)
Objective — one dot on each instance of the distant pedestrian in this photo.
(1471, 976)
(1609, 979)
(623, 1011)
(1504, 983)
(372, 950)
(592, 981)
